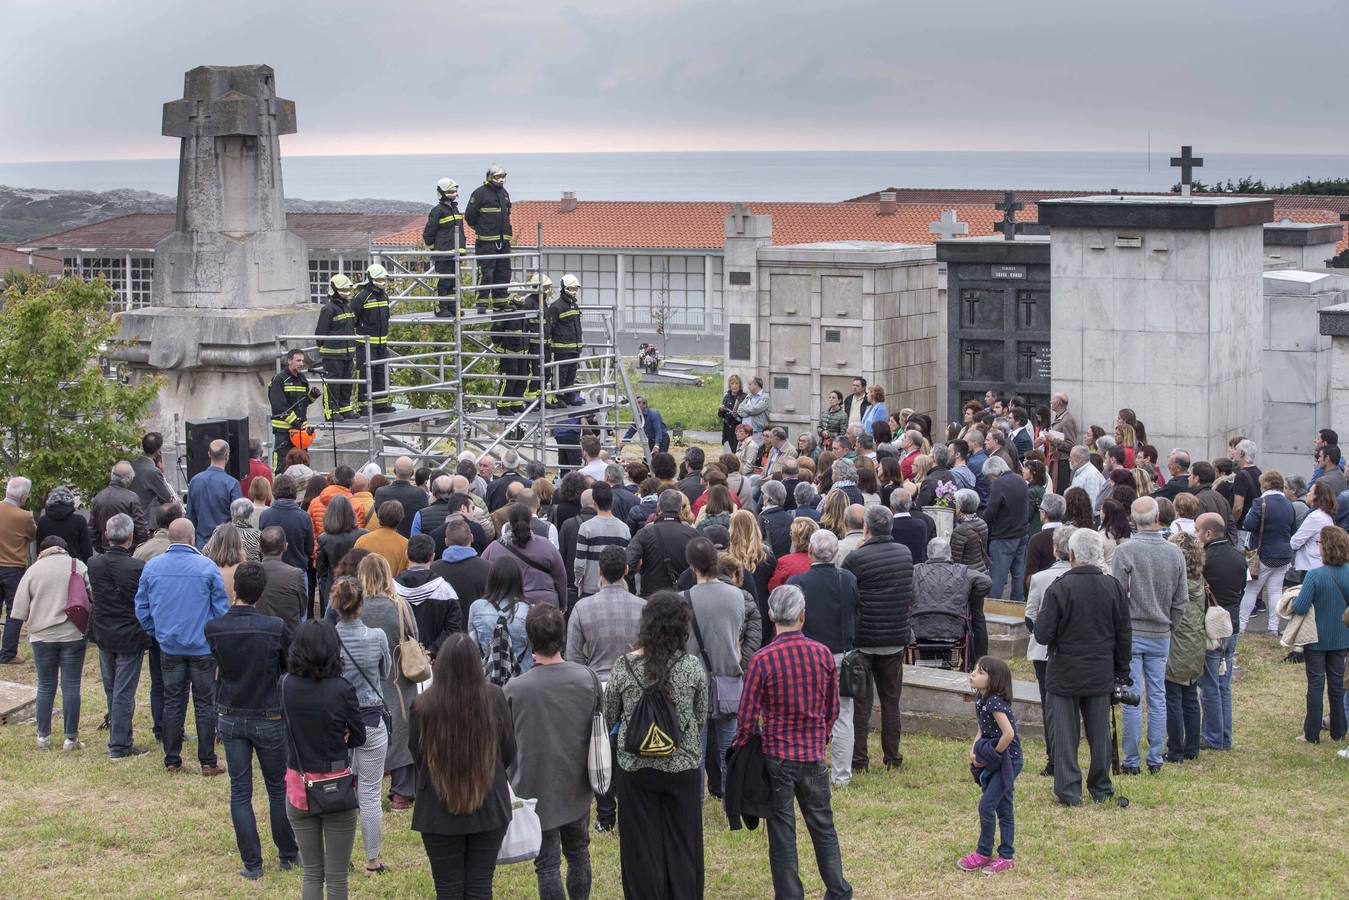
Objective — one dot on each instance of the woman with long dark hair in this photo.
(339, 536)
(462, 742)
(660, 821)
(323, 723)
(1077, 511)
(504, 597)
(729, 411)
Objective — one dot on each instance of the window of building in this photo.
(677, 284)
(321, 270)
(142, 280)
(112, 269)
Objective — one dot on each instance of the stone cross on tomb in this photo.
(1027, 355)
(740, 217)
(1187, 162)
(199, 116)
(1027, 301)
(971, 300)
(1008, 207)
(947, 227)
(972, 353)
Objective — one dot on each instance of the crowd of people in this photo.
(732, 620)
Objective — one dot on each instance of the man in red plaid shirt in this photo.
(790, 699)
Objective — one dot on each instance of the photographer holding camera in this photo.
(1084, 621)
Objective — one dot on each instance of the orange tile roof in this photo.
(673, 225)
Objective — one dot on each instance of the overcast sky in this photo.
(86, 80)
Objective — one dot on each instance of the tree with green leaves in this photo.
(62, 420)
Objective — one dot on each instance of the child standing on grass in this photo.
(995, 761)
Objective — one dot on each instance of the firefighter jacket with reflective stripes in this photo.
(289, 397)
(534, 310)
(489, 213)
(564, 324)
(371, 308)
(443, 223)
(336, 320)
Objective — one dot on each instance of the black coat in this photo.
(657, 552)
(831, 605)
(775, 524)
(430, 816)
(111, 501)
(286, 514)
(927, 491)
(1084, 621)
(499, 489)
(413, 499)
(1008, 507)
(1177, 484)
(322, 721)
(113, 579)
(624, 501)
(749, 788)
(61, 520)
(444, 227)
(1225, 573)
(489, 213)
(911, 531)
(884, 572)
(468, 577)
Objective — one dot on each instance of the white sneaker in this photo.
(42, 743)
(71, 744)
(1343, 754)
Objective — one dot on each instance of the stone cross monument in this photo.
(231, 276)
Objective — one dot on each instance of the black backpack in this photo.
(653, 727)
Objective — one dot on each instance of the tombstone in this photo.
(1300, 245)
(231, 276)
(745, 234)
(997, 319)
(1158, 307)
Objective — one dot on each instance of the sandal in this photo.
(377, 870)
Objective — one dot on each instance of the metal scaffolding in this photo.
(458, 382)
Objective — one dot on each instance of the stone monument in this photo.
(1158, 306)
(231, 276)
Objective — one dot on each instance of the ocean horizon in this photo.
(703, 175)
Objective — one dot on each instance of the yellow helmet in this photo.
(340, 284)
(376, 275)
(542, 285)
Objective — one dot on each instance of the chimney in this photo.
(888, 203)
(568, 202)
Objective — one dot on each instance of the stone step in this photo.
(664, 377)
(681, 365)
(1008, 625)
(18, 702)
(940, 702)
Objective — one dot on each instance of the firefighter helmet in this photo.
(447, 188)
(341, 285)
(496, 173)
(376, 275)
(570, 284)
(541, 285)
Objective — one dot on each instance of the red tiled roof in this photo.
(12, 259)
(142, 231)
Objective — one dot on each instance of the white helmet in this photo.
(448, 188)
(341, 285)
(495, 171)
(376, 275)
(570, 284)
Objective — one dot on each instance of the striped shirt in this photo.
(791, 688)
(593, 536)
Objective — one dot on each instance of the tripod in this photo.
(1115, 768)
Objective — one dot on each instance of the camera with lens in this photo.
(1122, 694)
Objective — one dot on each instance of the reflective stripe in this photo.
(489, 209)
(295, 389)
(279, 424)
(450, 219)
(375, 339)
(570, 312)
(338, 351)
(558, 346)
(343, 316)
(373, 304)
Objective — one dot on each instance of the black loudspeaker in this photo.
(200, 434)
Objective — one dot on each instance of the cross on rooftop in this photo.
(947, 228)
(1008, 206)
(1187, 162)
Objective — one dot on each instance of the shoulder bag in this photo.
(323, 794)
(383, 707)
(1253, 556)
(852, 668)
(723, 691)
(413, 660)
(78, 603)
(599, 758)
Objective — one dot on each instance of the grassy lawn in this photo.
(685, 406)
(1265, 820)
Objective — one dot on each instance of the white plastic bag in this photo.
(524, 835)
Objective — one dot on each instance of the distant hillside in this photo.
(31, 212)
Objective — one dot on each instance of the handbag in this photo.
(78, 603)
(723, 691)
(852, 668)
(524, 835)
(413, 660)
(599, 758)
(383, 707)
(1253, 556)
(323, 794)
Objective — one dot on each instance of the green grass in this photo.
(684, 406)
(1266, 820)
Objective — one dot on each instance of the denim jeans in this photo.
(1182, 720)
(1325, 673)
(1003, 555)
(1147, 667)
(121, 676)
(1019, 571)
(724, 729)
(180, 674)
(266, 737)
(1267, 583)
(156, 691)
(10, 576)
(63, 659)
(573, 840)
(841, 740)
(806, 783)
(1215, 696)
(996, 809)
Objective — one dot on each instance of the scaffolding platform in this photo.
(448, 390)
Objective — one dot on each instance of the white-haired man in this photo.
(18, 530)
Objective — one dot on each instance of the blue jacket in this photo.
(482, 621)
(976, 464)
(876, 412)
(1342, 509)
(1275, 541)
(209, 495)
(1326, 589)
(286, 514)
(180, 591)
(654, 426)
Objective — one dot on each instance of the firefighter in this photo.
(337, 347)
(290, 396)
(534, 305)
(371, 308)
(489, 215)
(518, 336)
(444, 232)
(565, 341)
